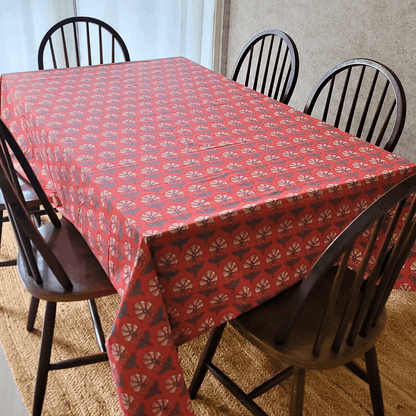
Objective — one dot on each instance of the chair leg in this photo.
(298, 392)
(34, 302)
(44, 357)
(374, 382)
(1, 223)
(5, 263)
(205, 359)
(33, 310)
(97, 325)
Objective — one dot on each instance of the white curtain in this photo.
(155, 29)
(22, 26)
(151, 29)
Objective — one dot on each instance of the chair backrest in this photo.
(27, 235)
(269, 64)
(85, 37)
(361, 97)
(377, 262)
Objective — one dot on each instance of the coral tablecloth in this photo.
(201, 198)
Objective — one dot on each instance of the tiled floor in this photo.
(10, 401)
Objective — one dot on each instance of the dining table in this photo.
(200, 197)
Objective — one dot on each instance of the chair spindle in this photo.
(355, 99)
(100, 35)
(65, 48)
(76, 43)
(328, 99)
(342, 99)
(113, 49)
(266, 68)
(377, 113)
(367, 106)
(282, 68)
(89, 44)
(385, 124)
(53, 53)
(276, 65)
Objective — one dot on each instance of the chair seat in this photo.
(29, 195)
(69, 247)
(259, 326)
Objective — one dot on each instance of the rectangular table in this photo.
(201, 199)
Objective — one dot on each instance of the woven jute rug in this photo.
(90, 390)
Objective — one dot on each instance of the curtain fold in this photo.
(151, 29)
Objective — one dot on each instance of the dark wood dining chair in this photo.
(269, 64)
(65, 39)
(361, 97)
(336, 313)
(54, 264)
(69, 33)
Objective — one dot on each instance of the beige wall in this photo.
(328, 32)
